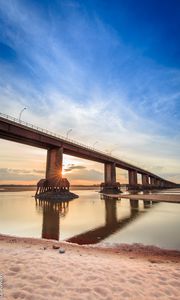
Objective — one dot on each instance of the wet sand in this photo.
(32, 269)
(171, 198)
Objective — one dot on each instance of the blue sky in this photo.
(110, 70)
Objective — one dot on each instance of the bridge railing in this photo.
(48, 132)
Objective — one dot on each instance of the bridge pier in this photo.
(161, 184)
(110, 172)
(54, 163)
(157, 183)
(145, 181)
(54, 186)
(152, 182)
(164, 184)
(133, 182)
(110, 185)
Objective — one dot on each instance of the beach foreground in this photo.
(32, 269)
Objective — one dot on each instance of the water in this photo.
(90, 219)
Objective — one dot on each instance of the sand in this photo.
(32, 269)
(170, 198)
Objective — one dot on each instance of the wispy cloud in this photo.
(71, 167)
(18, 175)
(85, 175)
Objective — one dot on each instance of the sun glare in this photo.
(63, 171)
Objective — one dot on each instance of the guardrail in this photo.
(48, 132)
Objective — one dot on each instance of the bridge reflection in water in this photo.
(53, 212)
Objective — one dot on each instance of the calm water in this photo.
(90, 219)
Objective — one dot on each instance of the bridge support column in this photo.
(132, 179)
(157, 183)
(152, 182)
(162, 184)
(166, 184)
(54, 186)
(110, 173)
(145, 181)
(110, 185)
(54, 163)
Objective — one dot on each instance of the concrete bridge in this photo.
(15, 130)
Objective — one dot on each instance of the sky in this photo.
(108, 70)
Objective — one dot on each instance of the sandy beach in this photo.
(169, 198)
(32, 269)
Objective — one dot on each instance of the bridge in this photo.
(13, 129)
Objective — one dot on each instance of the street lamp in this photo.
(21, 113)
(95, 143)
(110, 152)
(68, 132)
(107, 151)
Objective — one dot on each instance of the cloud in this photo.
(83, 174)
(71, 167)
(86, 175)
(18, 175)
(38, 171)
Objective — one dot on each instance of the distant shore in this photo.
(155, 197)
(32, 269)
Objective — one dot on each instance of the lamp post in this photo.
(68, 132)
(95, 143)
(109, 152)
(113, 149)
(21, 113)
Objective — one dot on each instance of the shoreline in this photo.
(138, 250)
(32, 269)
(156, 197)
